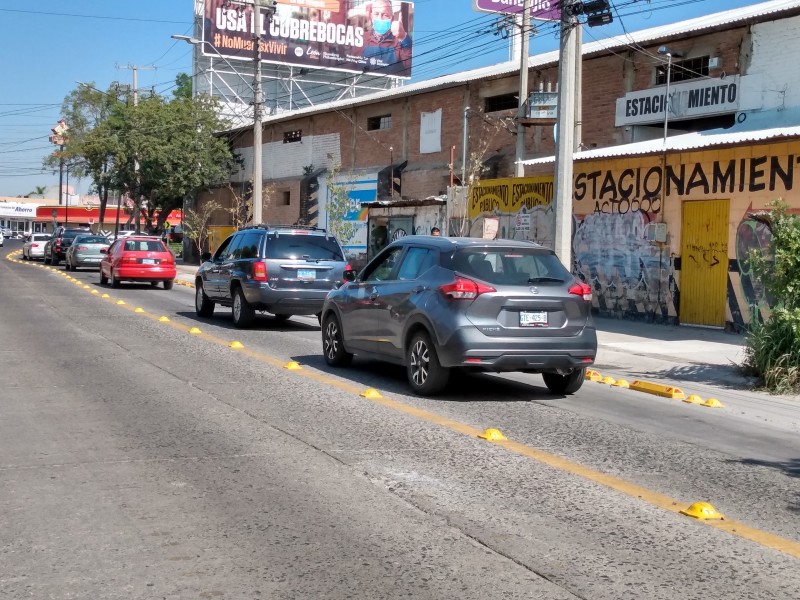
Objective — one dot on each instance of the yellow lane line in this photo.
(628, 488)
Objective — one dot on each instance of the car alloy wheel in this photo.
(203, 305)
(243, 313)
(425, 374)
(564, 384)
(332, 345)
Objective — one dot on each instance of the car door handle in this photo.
(418, 289)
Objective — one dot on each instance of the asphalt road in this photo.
(138, 460)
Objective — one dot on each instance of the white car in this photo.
(2, 240)
(34, 247)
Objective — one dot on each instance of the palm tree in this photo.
(38, 191)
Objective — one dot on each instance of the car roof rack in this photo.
(268, 226)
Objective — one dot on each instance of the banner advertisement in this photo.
(541, 10)
(510, 196)
(348, 35)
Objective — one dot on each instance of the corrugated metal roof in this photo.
(727, 17)
(680, 143)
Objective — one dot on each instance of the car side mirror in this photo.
(349, 275)
(205, 256)
(103, 250)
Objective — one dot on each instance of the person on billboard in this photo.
(387, 41)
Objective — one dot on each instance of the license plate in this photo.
(148, 261)
(306, 273)
(532, 319)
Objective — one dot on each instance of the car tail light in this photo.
(168, 259)
(34, 245)
(346, 268)
(81, 247)
(465, 289)
(129, 260)
(581, 289)
(260, 271)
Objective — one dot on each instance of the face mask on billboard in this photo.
(381, 26)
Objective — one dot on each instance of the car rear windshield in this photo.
(38, 237)
(302, 246)
(144, 246)
(71, 234)
(97, 239)
(510, 266)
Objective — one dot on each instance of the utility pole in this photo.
(258, 177)
(519, 169)
(135, 90)
(565, 135)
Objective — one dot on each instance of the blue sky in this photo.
(51, 44)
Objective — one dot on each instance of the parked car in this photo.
(434, 303)
(281, 270)
(33, 248)
(2, 239)
(85, 251)
(56, 247)
(138, 259)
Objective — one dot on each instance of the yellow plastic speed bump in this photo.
(292, 366)
(87, 287)
(164, 319)
(120, 302)
(371, 393)
(195, 330)
(592, 375)
(693, 399)
(492, 435)
(236, 344)
(703, 511)
(139, 310)
(608, 380)
(95, 292)
(713, 403)
(105, 296)
(658, 389)
(621, 383)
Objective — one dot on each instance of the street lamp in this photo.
(669, 53)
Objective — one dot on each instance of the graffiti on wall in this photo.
(745, 294)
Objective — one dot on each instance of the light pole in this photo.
(391, 173)
(669, 53)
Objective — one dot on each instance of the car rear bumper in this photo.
(150, 274)
(470, 348)
(290, 302)
(85, 261)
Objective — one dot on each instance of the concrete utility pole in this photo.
(565, 135)
(519, 170)
(258, 177)
(135, 91)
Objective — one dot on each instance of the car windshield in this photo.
(510, 266)
(40, 237)
(144, 246)
(310, 247)
(91, 239)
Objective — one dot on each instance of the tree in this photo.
(339, 204)
(195, 224)
(773, 346)
(183, 86)
(38, 192)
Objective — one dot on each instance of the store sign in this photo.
(543, 10)
(18, 209)
(688, 100)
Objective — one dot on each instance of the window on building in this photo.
(290, 137)
(380, 122)
(287, 198)
(503, 102)
(683, 70)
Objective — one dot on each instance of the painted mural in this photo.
(615, 199)
(523, 207)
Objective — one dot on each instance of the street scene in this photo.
(386, 299)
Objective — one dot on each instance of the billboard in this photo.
(348, 35)
(542, 10)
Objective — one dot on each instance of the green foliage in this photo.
(195, 223)
(183, 86)
(773, 346)
(338, 205)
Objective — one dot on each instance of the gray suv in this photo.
(434, 303)
(281, 270)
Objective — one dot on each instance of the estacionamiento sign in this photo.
(321, 34)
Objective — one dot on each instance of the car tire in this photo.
(103, 278)
(333, 343)
(426, 375)
(203, 305)
(67, 266)
(114, 280)
(46, 260)
(154, 283)
(564, 384)
(168, 284)
(243, 313)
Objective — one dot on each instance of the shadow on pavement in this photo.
(790, 467)
(261, 323)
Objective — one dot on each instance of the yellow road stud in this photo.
(87, 287)
(164, 319)
(105, 296)
(592, 375)
(371, 393)
(195, 330)
(235, 344)
(95, 292)
(703, 511)
(713, 403)
(621, 383)
(693, 399)
(121, 302)
(492, 435)
(139, 310)
(608, 380)
(292, 366)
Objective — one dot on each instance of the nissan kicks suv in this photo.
(284, 270)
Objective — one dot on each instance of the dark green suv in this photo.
(281, 270)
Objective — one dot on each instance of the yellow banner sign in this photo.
(508, 196)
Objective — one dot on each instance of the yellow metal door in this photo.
(704, 263)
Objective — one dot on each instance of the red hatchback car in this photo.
(138, 258)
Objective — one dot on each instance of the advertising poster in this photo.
(349, 35)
